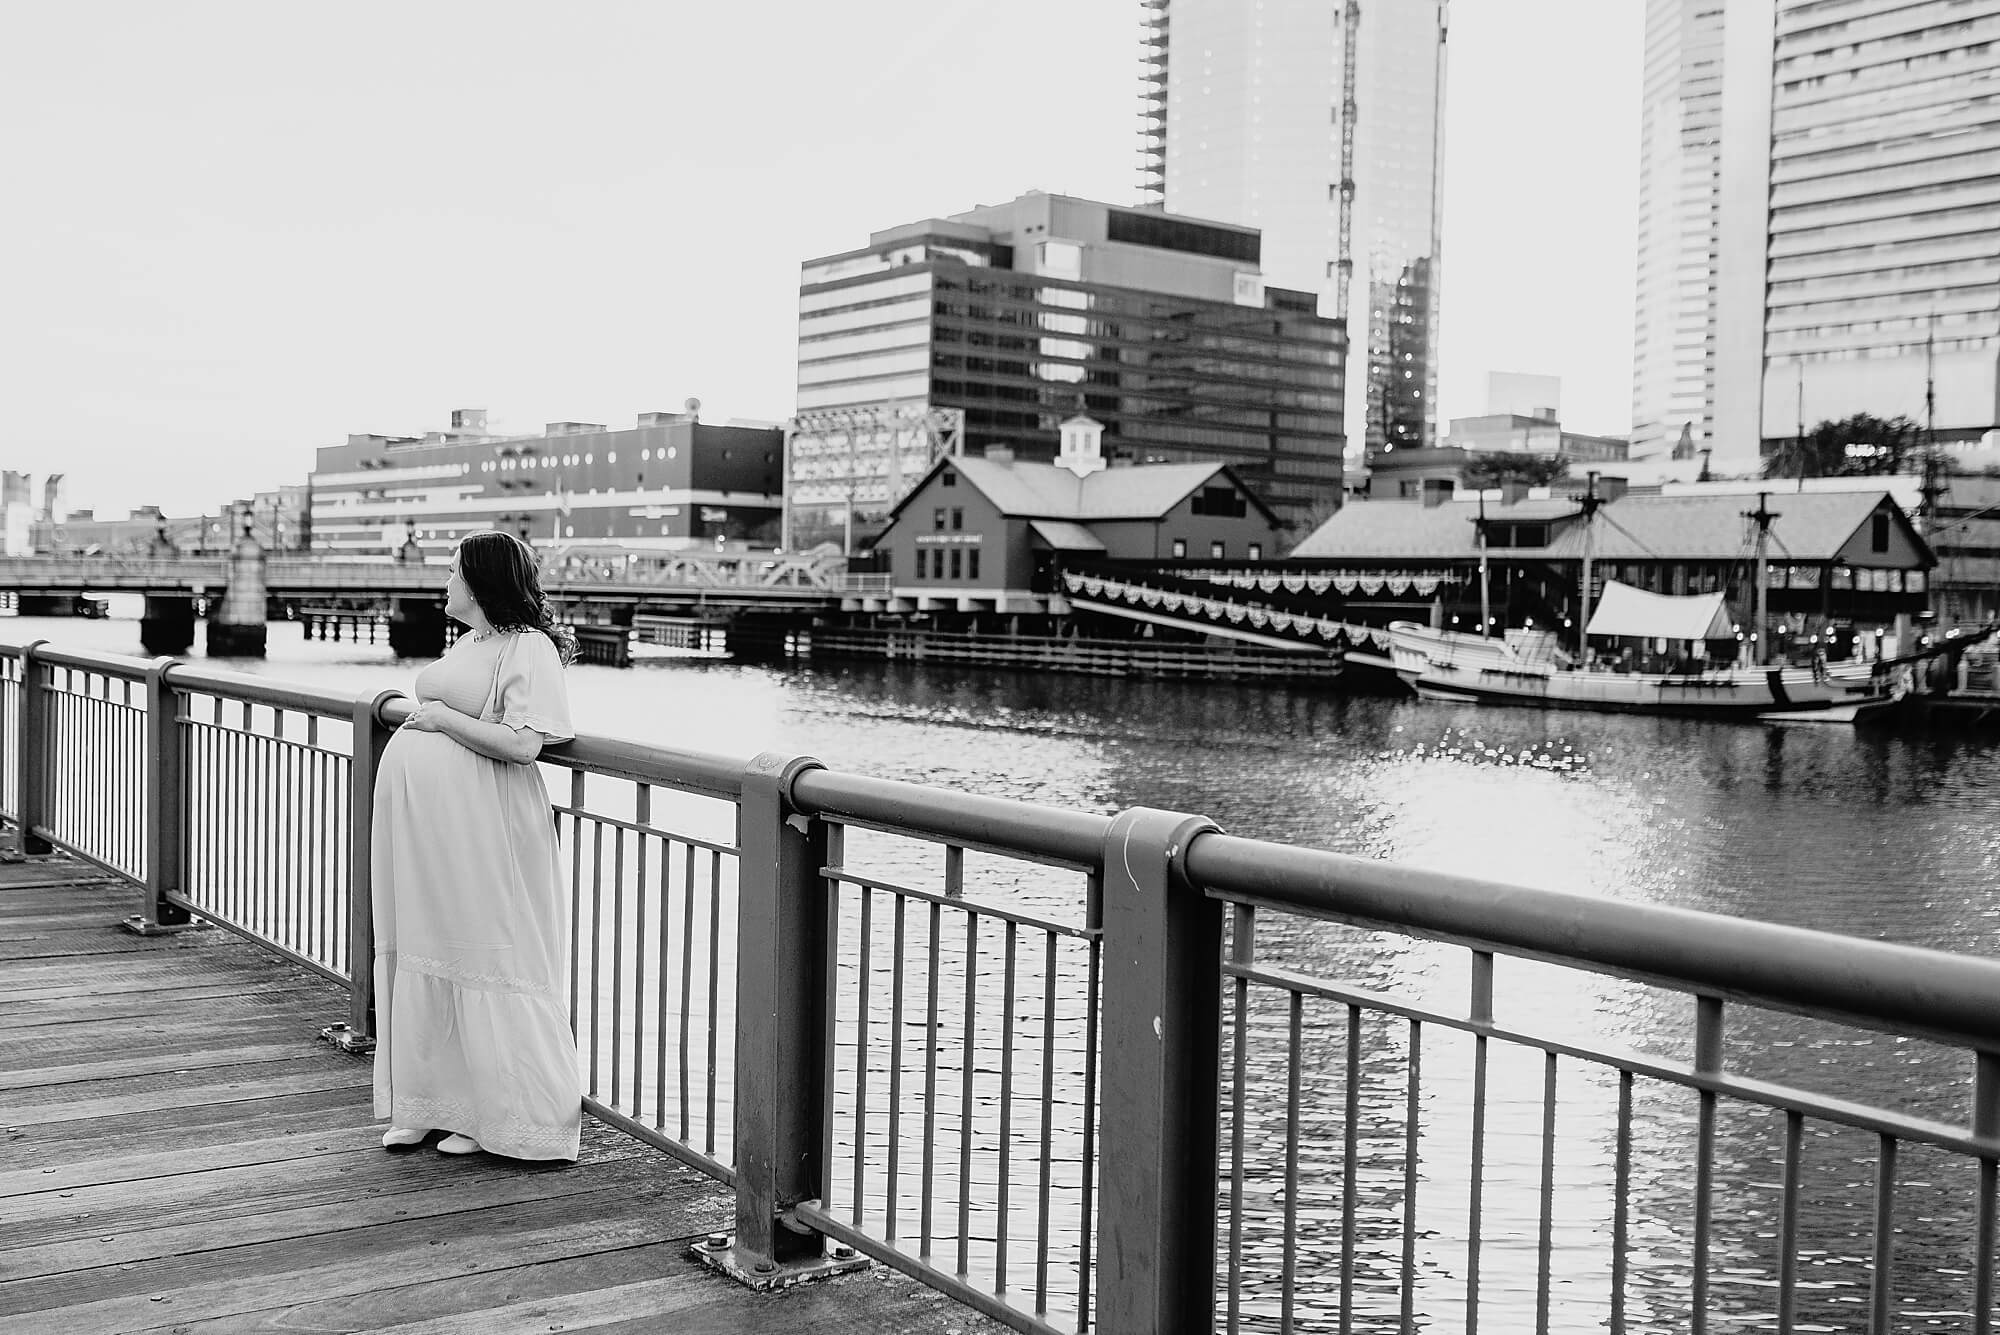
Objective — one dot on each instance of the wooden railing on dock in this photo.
(978, 1040)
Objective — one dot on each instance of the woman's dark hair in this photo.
(503, 577)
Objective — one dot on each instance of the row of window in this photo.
(963, 563)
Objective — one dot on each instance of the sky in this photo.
(238, 231)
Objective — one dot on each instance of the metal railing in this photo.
(1082, 1071)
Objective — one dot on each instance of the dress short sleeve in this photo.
(530, 691)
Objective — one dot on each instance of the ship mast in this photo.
(1760, 572)
(1590, 503)
(1485, 586)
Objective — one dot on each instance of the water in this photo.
(1870, 834)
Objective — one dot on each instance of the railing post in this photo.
(782, 935)
(1162, 948)
(371, 736)
(31, 776)
(165, 810)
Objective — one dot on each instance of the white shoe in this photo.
(458, 1144)
(402, 1137)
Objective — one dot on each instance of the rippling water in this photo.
(1857, 832)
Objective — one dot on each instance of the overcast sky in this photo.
(239, 230)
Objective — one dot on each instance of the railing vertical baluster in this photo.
(1294, 1061)
(1048, 1123)
(618, 961)
(967, 1057)
(1788, 1224)
(1621, 1210)
(576, 796)
(1411, 1106)
(1707, 1063)
(1003, 1180)
(660, 993)
(1546, 1242)
(895, 1068)
(596, 952)
(1350, 1169)
(714, 982)
(1242, 951)
(834, 848)
(32, 770)
(930, 1084)
(642, 817)
(371, 738)
(782, 1002)
(862, 981)
(1162, 1037)
(687, 982)
(1985, 1124)
(1481, 1013)
(1882, 1286)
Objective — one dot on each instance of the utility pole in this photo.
(1590, 504)
(1929, 489)
(1485, 584)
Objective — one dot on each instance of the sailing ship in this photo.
(1669, 654)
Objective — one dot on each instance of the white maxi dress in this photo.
(471, 932)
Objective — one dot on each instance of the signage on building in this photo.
(949, 539)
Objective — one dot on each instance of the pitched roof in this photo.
(1064, 536)
(1023, 490)
(1811, 526)
(1396, 529)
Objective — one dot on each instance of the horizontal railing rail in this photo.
(1080, 1070)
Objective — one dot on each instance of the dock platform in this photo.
(183, 1154)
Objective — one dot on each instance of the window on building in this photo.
(1878, 538)
(1180, 548)
(948, 479)
(937, 563)
(957, 564)
(1215, 551)
(972, 564)
(920, 563)
(937, 519)
(1256, 551)
(957, 518)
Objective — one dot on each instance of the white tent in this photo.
(1624, 610)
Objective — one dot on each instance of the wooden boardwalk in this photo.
(182, 1154)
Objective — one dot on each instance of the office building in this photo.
(672, 481)
(992, 326)
(1318, 122)
(1843, 150)
(1680, 147)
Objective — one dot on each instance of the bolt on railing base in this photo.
(347, 1038)
(138, 924)
(718, 1252)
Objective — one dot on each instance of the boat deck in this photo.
(183, 1154)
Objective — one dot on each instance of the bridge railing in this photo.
(1080, 1070)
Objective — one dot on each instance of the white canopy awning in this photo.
(1624, 610)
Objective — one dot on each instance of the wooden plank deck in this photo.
(182, 1154)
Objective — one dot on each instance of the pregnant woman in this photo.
(471, 938)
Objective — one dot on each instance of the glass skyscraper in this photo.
(1013, 317)
(1846, 153)
(1318, 122)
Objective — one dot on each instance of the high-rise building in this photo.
(1680, 158)
(1318, 122)
(1846, 160)
(990, 327)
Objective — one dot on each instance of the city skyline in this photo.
(253, 235)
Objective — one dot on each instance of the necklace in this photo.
(481, 636)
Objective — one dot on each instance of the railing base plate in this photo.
(347, 1039)
(139, 925)
(721, 1254)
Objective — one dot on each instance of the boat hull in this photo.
(1465, 669)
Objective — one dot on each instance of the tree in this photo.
(1863, 445)
(1483, 471)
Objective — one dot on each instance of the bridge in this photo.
(732, 579)
(878, 1019)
